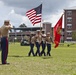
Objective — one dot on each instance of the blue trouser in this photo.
(48, 49)
(43, 48)
(38, 48)
(31, 49)
(4, 47)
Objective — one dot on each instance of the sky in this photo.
(15, 10)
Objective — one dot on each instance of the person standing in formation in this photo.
(43, 43)
(32, 42)
(38, 42)
(48, 42)
(4, 40)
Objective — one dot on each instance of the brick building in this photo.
(47, 26)
(70, 24)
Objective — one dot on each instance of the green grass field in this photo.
(62, 61)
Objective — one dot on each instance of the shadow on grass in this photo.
(15, 56)
(47, 57)
(21, 56)
(43, 57)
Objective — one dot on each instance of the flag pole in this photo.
(53, 34)
(41, 18)
(40, 26)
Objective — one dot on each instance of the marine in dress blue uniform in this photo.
(4, 40)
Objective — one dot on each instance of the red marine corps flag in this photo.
(35, 14)
(57, 32)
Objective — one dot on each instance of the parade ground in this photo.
(61, 62)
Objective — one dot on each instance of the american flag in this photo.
(35, 14)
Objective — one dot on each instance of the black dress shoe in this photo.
(5, 63)
(34, 55)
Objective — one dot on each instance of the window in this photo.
(69, 26)
(69, 33)
(69, 19)
(69, 13)
(69, 39)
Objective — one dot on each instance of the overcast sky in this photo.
(14, 10)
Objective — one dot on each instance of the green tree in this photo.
(23, 25)
(74, 35)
